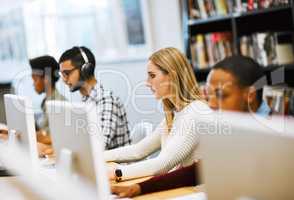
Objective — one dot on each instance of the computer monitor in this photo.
(252, 159)
(76, 141)
(5, 88)
(21, 127)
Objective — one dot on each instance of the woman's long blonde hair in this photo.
(184, 88)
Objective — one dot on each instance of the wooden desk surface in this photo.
(168, 193)
(17, 187)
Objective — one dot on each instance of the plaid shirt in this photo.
(112, 117)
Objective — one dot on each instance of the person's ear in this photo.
(47, 82)
(251, 95)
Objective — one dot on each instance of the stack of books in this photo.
(207, 8)
(268, 48)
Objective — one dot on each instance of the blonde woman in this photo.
(171, 79)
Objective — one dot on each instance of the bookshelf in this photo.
(273, 19)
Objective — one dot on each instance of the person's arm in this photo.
(107, 117)
(137, 151)
(186, 176)
(3, 132)
(109, 112)
(183, 177)
(182, 144)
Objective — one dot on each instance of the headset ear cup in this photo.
(87, 71)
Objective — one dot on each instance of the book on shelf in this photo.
(221, 7)
(236, 6)
(210, 48)
(268, 48)
(203, 12)
(280, 99)
(194, 12)
(209, 8)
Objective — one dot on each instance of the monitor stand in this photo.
(65, 165)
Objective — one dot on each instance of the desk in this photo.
(168, 193)
(13, 189)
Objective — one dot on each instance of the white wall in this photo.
(8, 4)
(127, 79)
(165, 21)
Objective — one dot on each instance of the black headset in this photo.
(87, 69)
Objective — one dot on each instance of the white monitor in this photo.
(251, 159)
(21, 127)
(76, 142)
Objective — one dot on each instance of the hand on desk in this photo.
(45, 150)
(111, 167)
(43, 137)
(126, 191)
(3, 135)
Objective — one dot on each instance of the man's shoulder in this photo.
(102, 96)
(109, 96)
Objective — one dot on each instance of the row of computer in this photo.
(259, 152)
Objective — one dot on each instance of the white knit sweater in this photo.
(178, 148)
